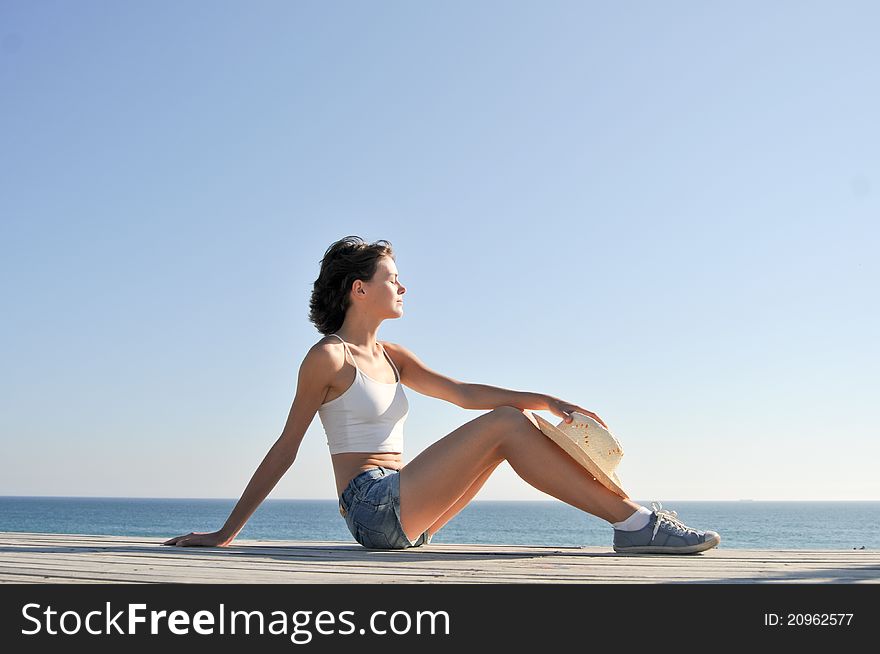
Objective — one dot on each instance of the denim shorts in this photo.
(370, 505)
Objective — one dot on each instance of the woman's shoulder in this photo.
(328, 349)
(328, 339)
(394, 348)
(398, 353)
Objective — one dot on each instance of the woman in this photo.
(355, 383)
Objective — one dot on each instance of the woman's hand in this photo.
(201, 539)
(564, 410)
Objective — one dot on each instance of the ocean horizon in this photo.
(743, 524)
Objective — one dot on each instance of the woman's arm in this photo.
(276, 462)
(315, 376)
(481, 396)
(415, 374)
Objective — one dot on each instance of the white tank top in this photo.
(368, 416)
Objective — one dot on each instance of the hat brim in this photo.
(563, 441)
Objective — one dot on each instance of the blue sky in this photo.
(664, 212)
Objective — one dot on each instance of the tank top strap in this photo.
(345, 345)
(391, 361)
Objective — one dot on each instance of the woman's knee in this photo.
(513, 425)
(508, 419)
(509, 416)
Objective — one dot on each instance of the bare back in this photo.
(347, 465)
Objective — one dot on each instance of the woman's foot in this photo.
(664, 534)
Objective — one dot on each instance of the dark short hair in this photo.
(347, 260)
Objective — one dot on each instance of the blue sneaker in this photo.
(664, 534)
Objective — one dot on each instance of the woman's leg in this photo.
(434, 482)
(462, 501)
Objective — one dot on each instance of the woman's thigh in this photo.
(435, 479)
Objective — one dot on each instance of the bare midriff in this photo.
(347, 465)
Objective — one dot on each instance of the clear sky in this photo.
(664, 212)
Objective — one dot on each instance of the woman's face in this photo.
(385, 287)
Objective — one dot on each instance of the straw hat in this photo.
(588, 443)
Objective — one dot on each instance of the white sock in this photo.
(636, 521)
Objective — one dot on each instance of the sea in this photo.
(742, 524)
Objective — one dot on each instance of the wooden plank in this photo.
(90, 558)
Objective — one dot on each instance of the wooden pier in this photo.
(73, 558)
